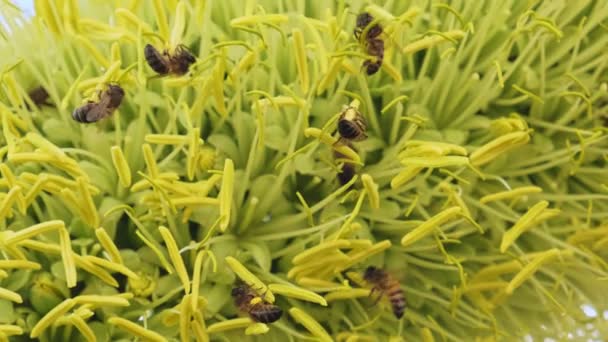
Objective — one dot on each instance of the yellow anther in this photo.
(511, 194)
(524, 223)
(310, 324)
(429, 225)
(298, 293)
(226, 193)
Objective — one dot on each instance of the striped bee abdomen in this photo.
(348, 129)
(265, 313)
(155, 60)
(80, 114)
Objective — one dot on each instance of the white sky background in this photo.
(26, 5)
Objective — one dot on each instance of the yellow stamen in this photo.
(186, 201)
(428, 42)
(511, 194)
(34, 230)
(444, 148)
(196, 279)
(231, 324)
(184, 317)
(427, 227)
(193, 152)
(310, 324)
(256, 19)
(435, 162)
(67, 255)
(358, 256)
(427, 335)
(301, 60)
(405, 176)
(372, 191)
(531, 268)
(330, 76)
(136, 329)
(10, 330)
(199, 327)
(313, 252)
(176, 258)
(498, 146)
(89, 205)
(83, 327)
(179, 24)
(161, 19)
(226, 194)
(7, 202)
(11, 182)
(581, 236)
(112, 266)
(20, 264)
(150, 161)
(524, 223)
(331, 141)
(10, 295)
(257, 329)
(312, 266)
(122, 166)
(52, 316)
(108, 245)
(249, 278)
(298, 293)
(100, 301)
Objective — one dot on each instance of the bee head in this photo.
(239, 291)
(370, 272)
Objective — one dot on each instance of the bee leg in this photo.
(338, 142)
(380, 294)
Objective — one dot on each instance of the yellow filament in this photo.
(136, 329)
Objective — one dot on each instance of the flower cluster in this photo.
(480, 186)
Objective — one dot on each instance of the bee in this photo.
(164, 63)
(363, 20)
(262, 312)
(351, 125)
(386, 284)
(374, 45)
(39, 97)
(92, 111)
(348, 171)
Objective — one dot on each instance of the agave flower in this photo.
(481, 186)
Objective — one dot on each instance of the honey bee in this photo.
(374, 45)
(351, 125)
(348, 171)
(39, 97)
(385, 284)
(165, 63)
(262, 312)
(92, 111)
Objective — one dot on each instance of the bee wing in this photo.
(96, 113)
(100, 110)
